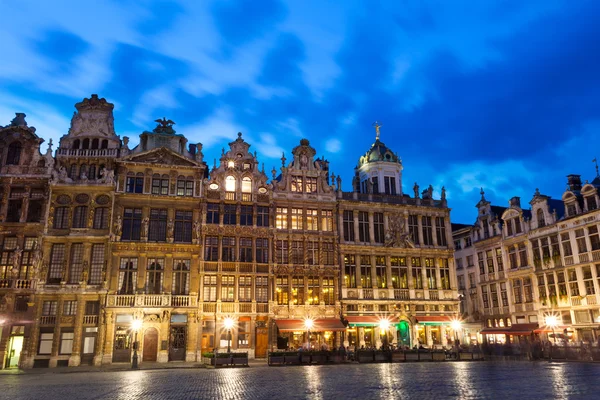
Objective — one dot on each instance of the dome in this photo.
(379, 152)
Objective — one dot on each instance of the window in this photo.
(311, 185)
(378, 227)
(571, 210)
(296, 218)
(101, 218)
(298, 290)
(92, 308)
(461, 282)
(132, 223)
(363, 226)
(70, 307)
(262, 216)
(228, 249)
(211, 248)
(80, 217)
(490, 261)
(313, 290)
(375, 181)
(348, 223)
(160, 185)
(445, 274)
(49, 308)
(566, 244)
(243, 334)
(245, 288)
(350, 271)
(181, 277)
(154, 275)
(427, 231)
(481, 263)
(430, 273)
(580, 239)
(527, 290)
(365, 272)
(46, 339)
(246, 215)
(380, 272)
(262, 250)
(183, 226)
(97, 264)
(399, 272)
(472, 283)
(297, 252)
(229, 217)
(594, 239)
(230, 184)
(36, 209)
(417, 273)
(327, 251)
(440, 227)
(135, 184)
(542, 287)
(562, 286)
(281, 218)
(470, 261)
(499, 259)
(517, 291)
(540, 218)
(517, 221)
(591, 203)
(282, 252)
(246, 185)
(523, 255)
(468, 242)
(327, 220)
(8, 247)
(484, 295)
(27, 259)
(185, 187)
(551, 284)
(312, 253)
(588, 282)
(61, 218)
(157, 229)
(328, 296)
(128, 275)
(76, 269)
(14, 154)
(390, 185)
(296, 184)
(245, 250)
(262, 286)
(282, 291)
(212, 214)
(57, 257)
(457, 244)
(413, 228)
(509, 228)
(209, 289)
(312, 220)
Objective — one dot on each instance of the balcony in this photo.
(401, 294)
(228, 267)
(90, 320)
(151, 300)
(434, 295)
(368, 294)
(585, 257)
(591, 299)
(62, 152)
(234, 308)
(575, 301)
(209, 307)
(569, 260)
(48, 320)
(17, 284)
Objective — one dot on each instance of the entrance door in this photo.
(403, 334)
(89, 345)
(14, 351)
(262, 340)
(177, 341)
(150, 345)
(122, 347)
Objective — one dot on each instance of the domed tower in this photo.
(379, 170)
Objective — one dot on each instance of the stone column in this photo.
(361, 337)
(357, 270)
(420, 227)
(99, 350)
(377, 336)
(434, 230)
(75, 358)
(356, 236)
(393, 332)
(141, 274)
(438, 276)
(443, 331)
(428, 336)
(371, 227)
(192, 337)
(108, 335)
(168, 273)
(373, 273)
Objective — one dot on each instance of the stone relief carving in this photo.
(397, 234)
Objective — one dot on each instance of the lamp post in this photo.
(136, 325)
(308, 324)
(228, 323)
(552, 322)
(384, 325)
(456, 325)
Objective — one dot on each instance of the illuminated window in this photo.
(350, 271)
(246, 185)
(311, 220)
(296, 218)
(281, 220)
(230, 184)
(230, 164)
(296, 185)
(311, 185)
(327, 220)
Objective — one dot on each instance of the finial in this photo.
(263, 168)
(223, 151)
(482, 193)
(537, 191)
(596, 162)
(377, 125)
(274, 172)
(283, 159)
(240, 135)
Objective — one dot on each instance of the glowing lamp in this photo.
(228, 323)
(136, 325)
(455, 324)
(309, 323)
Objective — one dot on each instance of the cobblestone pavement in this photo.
(474, 380)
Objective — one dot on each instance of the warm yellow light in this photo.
(228, 323)
(231, 164)
(278, 290)
(384, 324)
(309, 323)
(551, 321)
(136, 324)
(456, 324)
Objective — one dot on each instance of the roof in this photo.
(458, 227)
(377, 153)
(558, 205)
(498, 210)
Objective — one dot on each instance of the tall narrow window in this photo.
(281, 218)
(262, 216)
(481, 261)
(390, 185)
(327, 220)
(327, 249)
(246, 215)
(298, 290)
(76, 260)
(380, 272)
(523, 255)
(57, 258)
(313, 295)
(378, 227)
(427, 231)
(132, 223)
(540, 218)
(245, 250)
(185, 186)
(262, 250)
(128, 275)
(211, 248)
(311, 185)
(594, 239)
(527, 291)
(227, 288)
(348, 223)
(212, 213)
(154, 275)
(245, 288)
(101, 218)
(282, 251)
(246, 185)
(485, 298)
(230, 184)
(440, 228)
(209, 288)
(413, 228)
(490, 261)
(350, 271)
(312, 220)
(296, 184)
(230, 215)
(512, 257)
(573, 285)
(228, 249)
(312, 252)
(183, 226)
(160, 184)
(96, 264)
(328, 295)
(181, 277)
(430, 272)
(517, 291)
(365, 272)
(14, 154)
(297, 252)
(499, 261)
(135, 184)
(566, 244)
(417, 273)
(580, 240)
(399, 272)
(80, 217)
(297, 218)
(445, 274)
(61, 218)
(283, 290)
(262, 289)
(363, 226)
(157, 229)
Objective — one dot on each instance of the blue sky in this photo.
(503, 95)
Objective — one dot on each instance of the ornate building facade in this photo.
(101, 238)
(523, 271)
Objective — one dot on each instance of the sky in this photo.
(501, 95)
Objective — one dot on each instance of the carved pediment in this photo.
(162, 156)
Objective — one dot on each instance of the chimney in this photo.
(574, 182)
(515, 201)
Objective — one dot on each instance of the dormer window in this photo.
(571, 209)
(311, 185)
(297, 184)
(540, 218)
(14, 154)
(231, 164)
(591, 203)
(246, 185)
(230, 183)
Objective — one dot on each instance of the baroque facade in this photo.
(101, 236)
(532, 271)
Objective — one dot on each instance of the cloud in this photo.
(267, 146)
(333, 145)
(217, 129)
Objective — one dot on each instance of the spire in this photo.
(377, 125)
(596, 162)
(482, 193)
(283, 159)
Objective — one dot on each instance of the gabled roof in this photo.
(558, 205)
(458, 227)
(161, 155)
(498, 211)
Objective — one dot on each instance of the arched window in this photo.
(73, 171)
(76, 144)
(105, 144)
(86, 144)
(14, 154)
(82, 171)
(230, 184)
(540, 218)
(246, 185)
(92, 172)
(95, 143)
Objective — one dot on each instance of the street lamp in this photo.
(456, 325)
(228, 323)
(308, 324)
(136, 325)
(552, 322)
(384, 325)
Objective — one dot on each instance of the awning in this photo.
(433, 319)
(368, 320)
(319, 325)
(495, 331)
(547, 329)
(515, 330)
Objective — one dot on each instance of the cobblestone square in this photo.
(481, 380)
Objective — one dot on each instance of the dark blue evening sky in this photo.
(502, 95)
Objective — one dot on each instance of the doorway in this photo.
(15, 346)
(177, 341)
(122, 347)
(150, 349)
(262, 340)
(89, 345)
